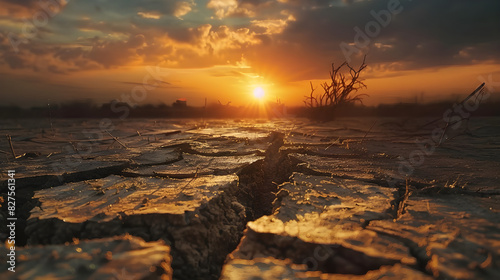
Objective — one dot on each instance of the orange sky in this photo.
(155, 51)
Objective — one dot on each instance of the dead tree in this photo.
(340, 90)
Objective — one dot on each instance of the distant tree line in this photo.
(88, 109)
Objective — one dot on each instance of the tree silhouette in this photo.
(339, 91)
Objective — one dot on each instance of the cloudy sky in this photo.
(158, 51)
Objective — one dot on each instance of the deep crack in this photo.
(262, 178)
(221, 222)
(419, 253)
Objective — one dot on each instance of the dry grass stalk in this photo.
(404, 200)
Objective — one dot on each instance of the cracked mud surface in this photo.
(282, 199)
(123, 257)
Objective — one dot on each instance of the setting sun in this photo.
(258, 93)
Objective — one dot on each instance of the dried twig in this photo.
(190, 181)
(442, 135)
(369, 131)
(333, 143)
(479, 89)
(116, 139)
(11, 146)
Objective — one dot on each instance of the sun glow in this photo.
(258, 93)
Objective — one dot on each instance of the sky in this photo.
(157, 51)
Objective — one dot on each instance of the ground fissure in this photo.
(302, 203)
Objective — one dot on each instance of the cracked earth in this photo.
(246, 199)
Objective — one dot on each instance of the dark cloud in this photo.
(24, 3)
(153, 83)
(127, 8)
(114, 53)
(29, 8)
(298, 37)
(14, 61)
(424, 34)
(68, 54)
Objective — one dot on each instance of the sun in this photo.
(258, 93)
